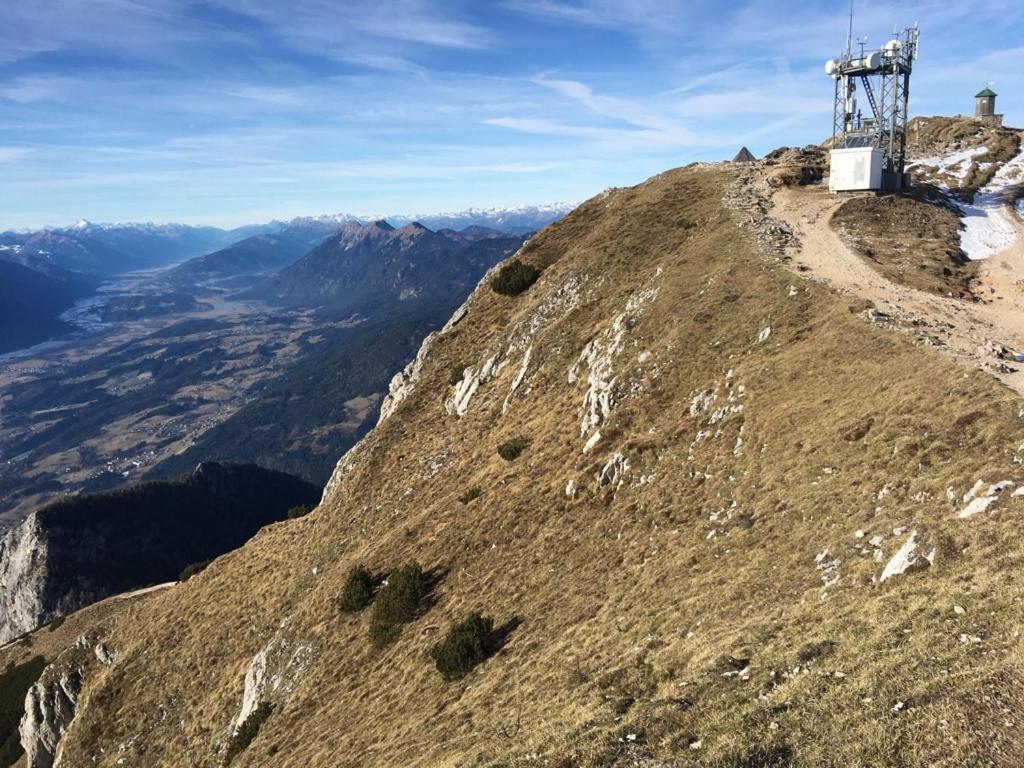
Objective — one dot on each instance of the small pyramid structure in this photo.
(744, 156)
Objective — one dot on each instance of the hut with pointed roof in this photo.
(985, 107)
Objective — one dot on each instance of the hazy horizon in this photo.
(240, 112)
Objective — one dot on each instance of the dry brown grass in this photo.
(912, 239)
(50, 643)
(635, 601)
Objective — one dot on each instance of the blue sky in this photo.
(245, 110)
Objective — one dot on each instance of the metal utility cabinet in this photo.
(859, 168)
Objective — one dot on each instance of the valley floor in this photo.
(103, 408)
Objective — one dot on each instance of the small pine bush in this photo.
(247, 731)
(192, 569)
(358, 590)
(298, 511)
(457, 372)
(398, 603)
(514, 278)
(511, 449)
(473, 493)
(466, 644)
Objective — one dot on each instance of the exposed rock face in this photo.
(273, 673)
(76, 551)
(51, 705)
(23, 554)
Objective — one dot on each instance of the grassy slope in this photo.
(625, 594)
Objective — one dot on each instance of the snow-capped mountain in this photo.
(515, 220)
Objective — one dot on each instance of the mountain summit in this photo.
(651, 497)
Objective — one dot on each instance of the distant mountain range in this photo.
(365, 264)
(74, 259)
(109, 249)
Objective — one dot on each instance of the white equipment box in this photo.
(855, 169)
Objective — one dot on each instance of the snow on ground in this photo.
(988, 223)
(956, 164)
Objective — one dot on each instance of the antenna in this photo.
(883, 76)
(849, 34)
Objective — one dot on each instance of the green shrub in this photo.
(14, 684)
(467, 644)
(55, 624)
(192, 569)
(514, 278)
(398, 603)
(298, 511)
(510, 449)
(247, 731)
(358, 590)
(458, 371)
(473, 493)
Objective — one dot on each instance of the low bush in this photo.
(358, 590)
(247, 731)
(457, 372)
(55, 624)
(510, 449)
(466, 644)
(298, 511)
(398, 603)
(473, 493)
(192, 569)
(514, 278)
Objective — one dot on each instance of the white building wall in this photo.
(855, 169)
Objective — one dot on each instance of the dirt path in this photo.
(971, 332)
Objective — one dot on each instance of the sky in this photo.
(243, 111)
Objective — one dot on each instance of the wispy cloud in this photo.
(194, 109)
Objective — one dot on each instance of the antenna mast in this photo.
(849, 34)
(878, 134)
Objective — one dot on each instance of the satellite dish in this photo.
(831, 66)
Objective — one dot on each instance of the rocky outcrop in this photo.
(52, 702)
(23, 556)
(273, 674)
(82, 549)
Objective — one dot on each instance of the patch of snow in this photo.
(955, 164)
(988, 224)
